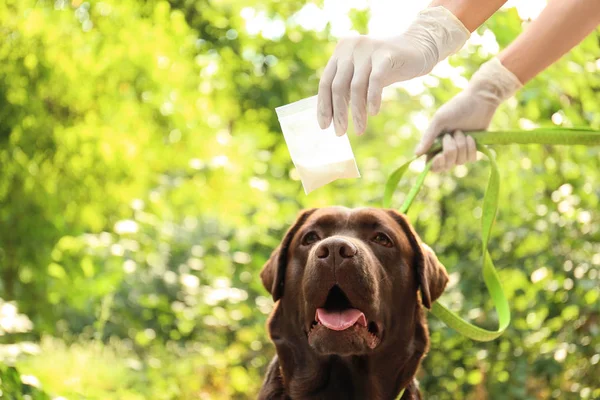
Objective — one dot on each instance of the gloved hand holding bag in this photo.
(362, 66)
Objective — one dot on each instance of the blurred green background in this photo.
(145, 181)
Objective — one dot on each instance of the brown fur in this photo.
(382, 281)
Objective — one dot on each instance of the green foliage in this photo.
(13, 387)
(13, 384)
(146, 181)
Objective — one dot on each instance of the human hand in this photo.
(362, 66)
(470, 110)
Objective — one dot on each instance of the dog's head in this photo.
(348, 280)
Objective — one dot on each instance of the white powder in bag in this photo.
(319, 155)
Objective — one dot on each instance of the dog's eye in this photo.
(310, 238)
(382, 239)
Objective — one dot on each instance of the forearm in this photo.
(472, 13)
(559, 28)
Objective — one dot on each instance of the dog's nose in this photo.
(334, 246)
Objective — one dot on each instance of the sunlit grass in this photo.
(89, 369)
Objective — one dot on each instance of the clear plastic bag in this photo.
(319, 155)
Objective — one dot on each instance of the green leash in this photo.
(550, 136)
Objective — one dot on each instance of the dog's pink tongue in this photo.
(340, 319)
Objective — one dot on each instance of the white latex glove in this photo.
(470, 110)
(362, 66)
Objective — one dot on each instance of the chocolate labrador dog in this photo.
(349, 286)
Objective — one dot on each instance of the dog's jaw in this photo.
(307, 374)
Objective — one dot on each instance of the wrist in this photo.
(472, 14)
(438, 32)
(494, 80)
(514, 62)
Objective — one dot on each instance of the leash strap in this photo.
(550, 136)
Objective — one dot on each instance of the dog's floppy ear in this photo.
(273, 272)
(431, 274)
